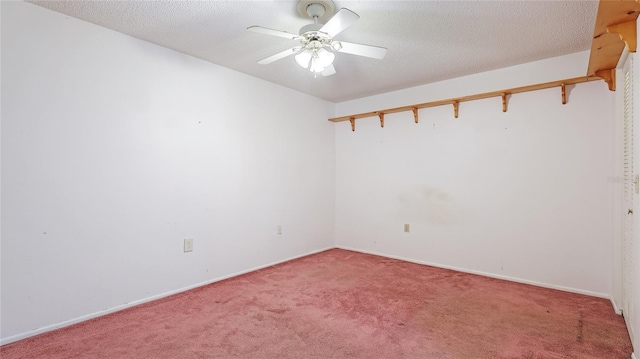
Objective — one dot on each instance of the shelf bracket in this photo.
(609, 76)
(381, 115)
(564, 93)
(504, 101)
(353, 123)
(627, 32)
(505, 95)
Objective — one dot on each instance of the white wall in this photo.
(523, 195)
(114, 150)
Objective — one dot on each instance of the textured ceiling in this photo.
(428, 41)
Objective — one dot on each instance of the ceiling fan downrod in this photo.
(315, 11)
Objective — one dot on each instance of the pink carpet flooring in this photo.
(341, 304)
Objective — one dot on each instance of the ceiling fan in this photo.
(317, 46)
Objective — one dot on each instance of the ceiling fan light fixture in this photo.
(315, 59)
(317, 50)
(304, 58)
(316, 67)
(320, 60)
(324, 57)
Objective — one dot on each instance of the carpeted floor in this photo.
(342, 304)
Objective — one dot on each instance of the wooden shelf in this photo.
(457, 100)
(614, 29)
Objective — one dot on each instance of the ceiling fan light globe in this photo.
(316, 65)
(325, 58)
(304, 58)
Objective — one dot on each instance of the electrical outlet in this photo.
(279, 230)
(406, 228)
(188, 244)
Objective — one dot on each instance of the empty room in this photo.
(319, 179)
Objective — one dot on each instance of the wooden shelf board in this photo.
(479, 96)
(606, 47)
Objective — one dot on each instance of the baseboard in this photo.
(485, 274)
(66, 323)
(615, 306)
(632, 333)
(633, 355)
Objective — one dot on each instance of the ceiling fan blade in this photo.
(264, 30)
(374, 52)
(329, 70)
(280, 55)
(340, 21)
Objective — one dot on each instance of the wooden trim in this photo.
(504, 101)
(614, 29)
(609, 76)
(627, 31)
(456, 101)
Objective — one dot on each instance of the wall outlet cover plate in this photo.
(188, 244)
